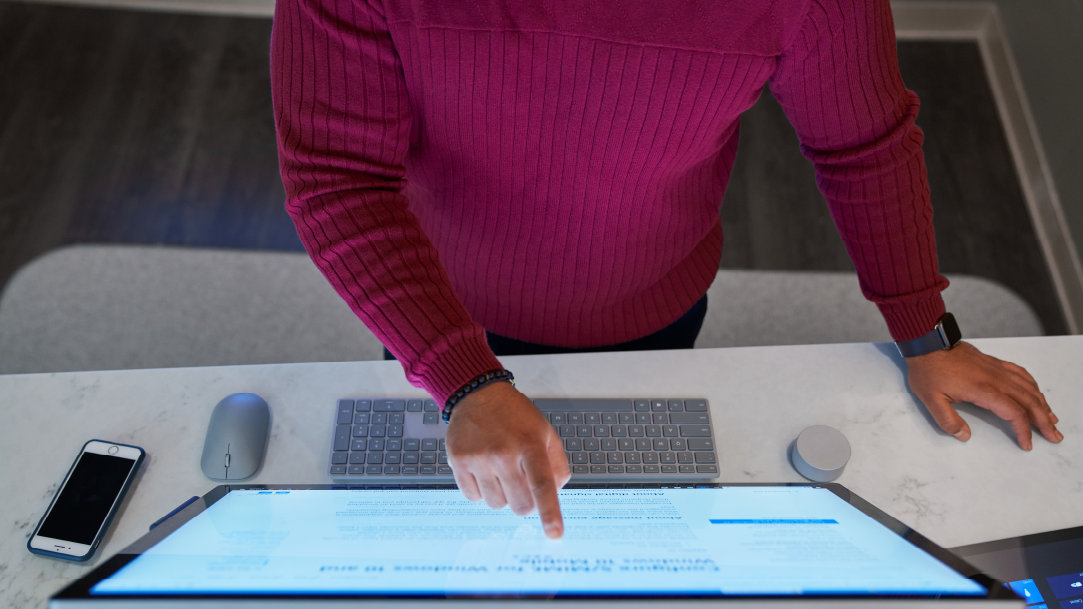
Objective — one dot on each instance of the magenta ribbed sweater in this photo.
(552, 171)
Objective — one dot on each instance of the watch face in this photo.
(949, 330)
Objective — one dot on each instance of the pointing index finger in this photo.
(542, 482)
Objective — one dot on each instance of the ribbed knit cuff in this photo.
(452, 364)
(914, 319)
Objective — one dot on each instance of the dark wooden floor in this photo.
(144, 127)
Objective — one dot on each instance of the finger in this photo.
(491, 491)
(467, 484)
(516, 490)
(542, 482)
(946, 417)
(1021, 371)
(558, 462)
(1008, 409)
(1039, 414)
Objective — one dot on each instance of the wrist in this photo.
(476, 384)
(942, 337)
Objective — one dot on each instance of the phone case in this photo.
(108, 517)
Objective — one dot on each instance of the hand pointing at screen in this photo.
(502, 450)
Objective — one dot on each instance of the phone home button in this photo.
(113, 450)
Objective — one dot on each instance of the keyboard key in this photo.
(641, 405)
(357, 458)
(360, 431)
(618, 431)
(591, 444)
(609, 445)
(428, 458)
(444, 470)
(597, 458)
(428, 470)
(362, 417)
(667, 457)
(388, 405)
(339, 457)
(430, 406)
(626, 418)
(669, 469)
(597, 469)
(676, 405)
(705, 457)
(377, 431)
(580, 469)
(643, 444)
(342, 437)
(379, 418)
(653, 431)
(633, 469)
(615, 469)
(632, 457)
(635, 431)
(394, 431)
(700, 444)
(356, 470)
(393, 459)
(411, 458)
(614, 458)
(428, 444)
(408, 469)
(649, 457)
(669, 431)
(399, 418)
(571, 444)
(345, 417)
(658, 406)
(695, 405)
(678, 444)
(660, 444)
(566, 431)
(411, 444)
(360, 444)
(592, 418)
(678, 418)
(377, 444)
(363, 405)
(580, 457)
(695, 431)
(643, 418)
(685, 458)
(583, 431)
(626, 444)
(395, 444)
(374, 469)
(431, 418)
(374, 458)
(575, 418)
(651, 469)
(338, 470)
(609, 418)
(686, 469)
(660, 418)
(391, 469)
(558, 418)
(706, 469)
(413, 405)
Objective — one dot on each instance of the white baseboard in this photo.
(233, 8)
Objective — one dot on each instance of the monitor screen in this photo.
(703, 541)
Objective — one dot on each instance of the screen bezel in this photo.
(66, 548)
(81, 588)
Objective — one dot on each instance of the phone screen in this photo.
(86, 498)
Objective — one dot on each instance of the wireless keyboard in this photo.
(389, 440)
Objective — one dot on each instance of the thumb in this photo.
(939, 405)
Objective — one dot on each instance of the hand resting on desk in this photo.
(502, 450)
(964, 374)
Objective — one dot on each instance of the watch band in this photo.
(945, 335)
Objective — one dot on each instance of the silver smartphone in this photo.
(82, 509)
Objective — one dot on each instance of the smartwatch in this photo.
(944, 336)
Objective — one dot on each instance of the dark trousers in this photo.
(680, 334)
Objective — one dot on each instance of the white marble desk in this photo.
(761, 398)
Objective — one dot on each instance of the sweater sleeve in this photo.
(343, 125)
(838, 82)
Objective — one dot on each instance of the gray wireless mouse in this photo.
(236, 437)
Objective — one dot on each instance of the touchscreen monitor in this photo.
(620, 542)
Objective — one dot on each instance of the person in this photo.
(550, 174)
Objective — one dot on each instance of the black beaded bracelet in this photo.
(474, 385)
